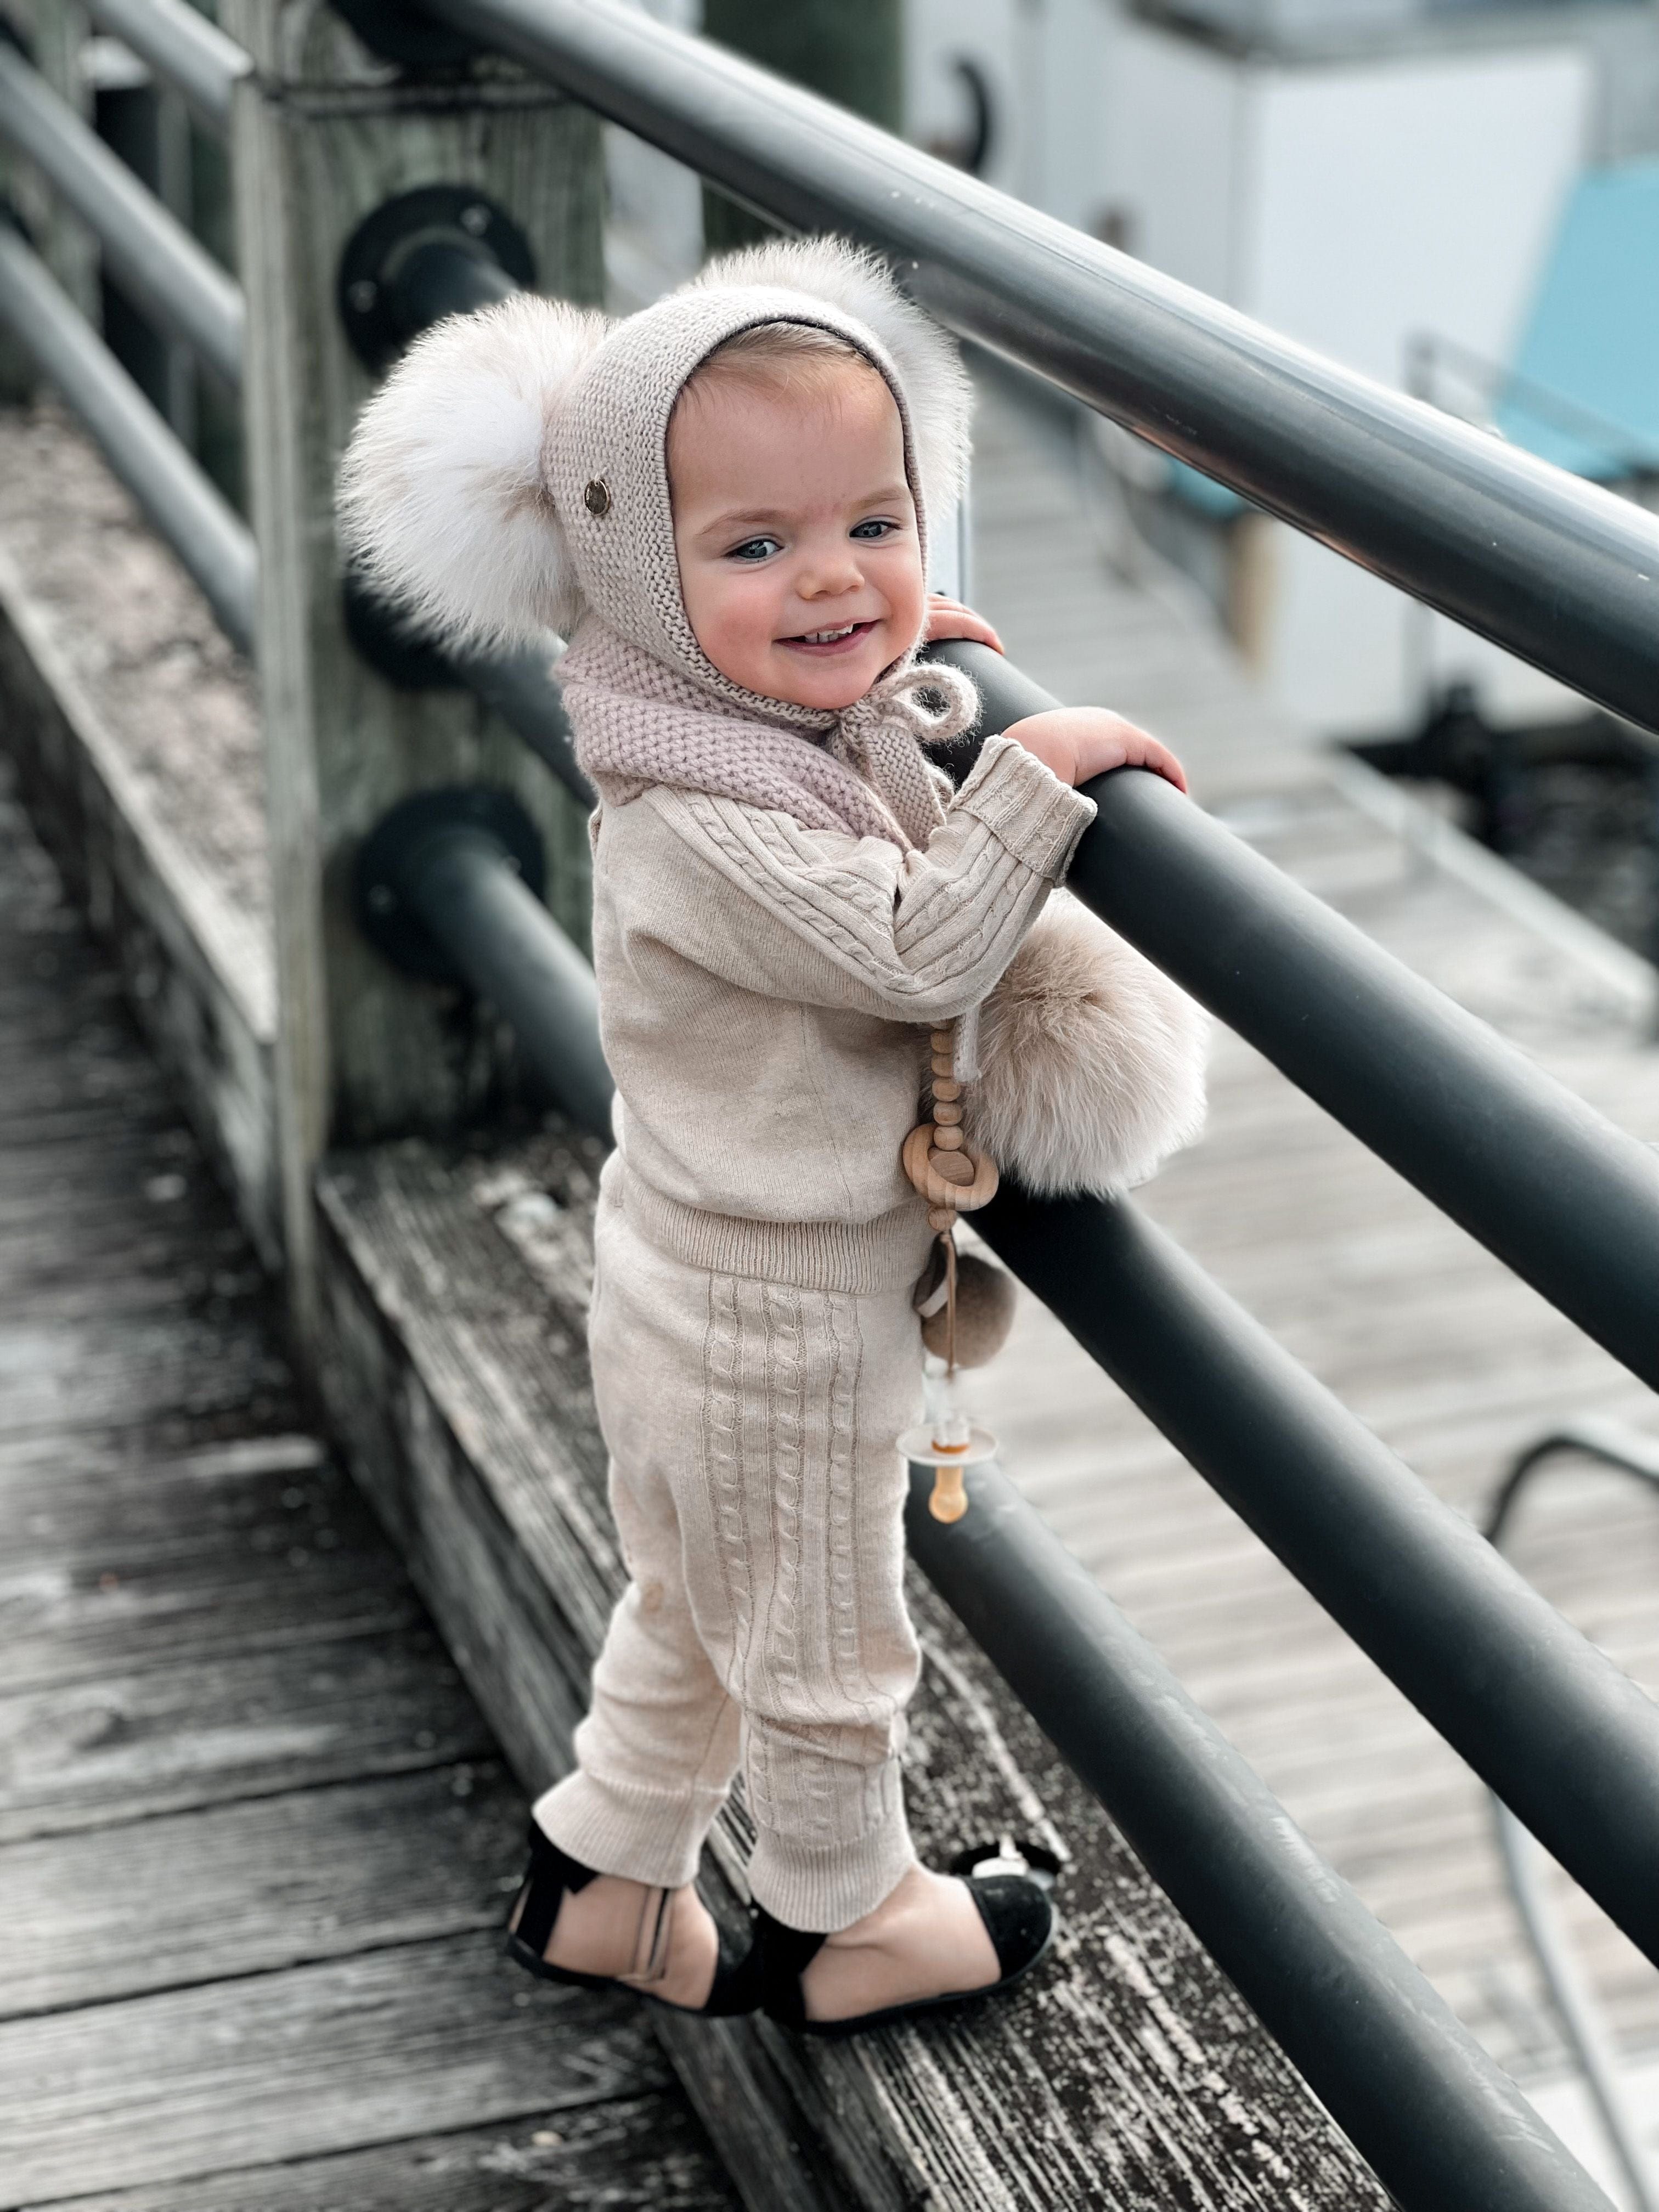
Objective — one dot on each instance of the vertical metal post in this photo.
(322, 134)
(851, 51)
(58, 37)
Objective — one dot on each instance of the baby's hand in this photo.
(950, 618)
(1079, 742)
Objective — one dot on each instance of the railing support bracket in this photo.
(393, 859)
(439, 250)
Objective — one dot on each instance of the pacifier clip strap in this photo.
(954, 1177)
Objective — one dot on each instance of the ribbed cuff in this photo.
(644, 1835)
(828, 1888)
(864, 1257)
(1026, 807)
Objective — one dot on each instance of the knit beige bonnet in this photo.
(512, 471)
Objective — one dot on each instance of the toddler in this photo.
(723, 501)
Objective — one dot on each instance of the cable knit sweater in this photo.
(761, 987)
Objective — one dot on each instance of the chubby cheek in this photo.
(905, 589)
(733, 617)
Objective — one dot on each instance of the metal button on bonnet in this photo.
(597, 497)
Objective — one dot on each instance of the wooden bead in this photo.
(943, 1065)
(947, 1140)
(942, 1039)
(962, 1180)
(946, 1115)
(951, 1167)
(945, 1089)
(941, 1218)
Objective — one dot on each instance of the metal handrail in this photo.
(1553, 569)
(1560, 1193)
(183, 48)
(149, 252)
(1547, 1720)
(204, 529)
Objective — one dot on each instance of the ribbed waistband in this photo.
(861, 1257)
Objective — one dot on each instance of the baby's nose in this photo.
(828, 575)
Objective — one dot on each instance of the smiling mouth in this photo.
(821, 642)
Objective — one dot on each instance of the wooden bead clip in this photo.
(954, 1178)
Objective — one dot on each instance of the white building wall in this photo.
(1172, 120)
(1382, 201)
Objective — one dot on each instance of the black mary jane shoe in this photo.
(1019, 1917)
(553, 1873)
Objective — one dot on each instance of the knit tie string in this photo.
(881, 737)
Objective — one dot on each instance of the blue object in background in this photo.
(1584, 391)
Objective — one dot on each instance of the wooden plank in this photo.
(133, 1372)
(198, 970)
(249, 1888)
(636, 2154)
(470, 1417)
(378, 2048)
(84, 1754)
(103, 1571)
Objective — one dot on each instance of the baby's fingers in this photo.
(1142, 750)
(950, 618)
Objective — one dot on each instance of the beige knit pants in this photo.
(758, 1497)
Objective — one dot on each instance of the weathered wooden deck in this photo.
(1434, 1344)
(255, 1839)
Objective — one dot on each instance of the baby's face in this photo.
(796, 534)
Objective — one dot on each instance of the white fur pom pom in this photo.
(936, 386)
(1091, 1061)
(441, 498)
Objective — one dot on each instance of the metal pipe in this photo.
(204, 529)
(1524, 1861)
(1561, 1195)
(523, 689)
(439, 277)
(1565, 1738)
(1441, 2123)
(149, 252)
(1555, 570)
(1526, 1866)
(192, 55)
(462, 883)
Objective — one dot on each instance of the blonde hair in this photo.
(788, 356)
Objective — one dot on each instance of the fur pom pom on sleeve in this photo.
(441, 498)
(1091, 1061)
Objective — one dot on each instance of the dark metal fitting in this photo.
(394, 857)
(401, 31)
(439, 250)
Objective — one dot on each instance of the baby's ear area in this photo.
(441, 500)
(859, 282)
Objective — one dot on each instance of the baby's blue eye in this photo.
(754, 548)
(876, 527)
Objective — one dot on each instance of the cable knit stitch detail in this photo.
(848, 916)
(842, 1410)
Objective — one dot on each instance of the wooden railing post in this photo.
(322, 134)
